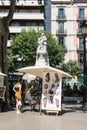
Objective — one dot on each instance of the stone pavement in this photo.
(71, 118)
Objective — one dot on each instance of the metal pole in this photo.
(85, 77)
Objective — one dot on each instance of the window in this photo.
(80, 59)
(61, 13)
(15, 24)
(17, 10)
(61, 41)
(81, 42)
(81, 12)
(79, 28)
(61, 27)
(41, 24)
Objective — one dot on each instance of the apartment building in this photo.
(66, 18)
(60, 17)
(28, 14)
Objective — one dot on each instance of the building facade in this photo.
(28, 14)
(60, 17)
(66, 18)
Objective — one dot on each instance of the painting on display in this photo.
(51, 91)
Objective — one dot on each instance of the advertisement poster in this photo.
(51, 91)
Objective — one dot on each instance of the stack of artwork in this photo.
(51, 92)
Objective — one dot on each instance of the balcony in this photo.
(26, 16)
(61, 18)
(22, 3)
(61, 1)
(61, 32)
(79, 32)
(64, 48)
(18, 29)
(80, 49)
(81, 18)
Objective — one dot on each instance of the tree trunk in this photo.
(4, 31)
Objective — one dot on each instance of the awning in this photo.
(2, 74)
(38, 71)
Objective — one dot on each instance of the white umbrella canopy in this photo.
(38, 71)
(28, 77)
(2, 74)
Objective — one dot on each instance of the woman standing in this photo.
(17, 90)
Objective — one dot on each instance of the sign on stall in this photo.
(51, 91)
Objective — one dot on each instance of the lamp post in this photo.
(84, 33)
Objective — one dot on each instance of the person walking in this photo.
(17, 90)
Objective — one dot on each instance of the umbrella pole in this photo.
(40, 107)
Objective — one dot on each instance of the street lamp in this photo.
(84, 33)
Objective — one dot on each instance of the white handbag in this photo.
(19, 103)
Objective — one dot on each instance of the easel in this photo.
(52, 111)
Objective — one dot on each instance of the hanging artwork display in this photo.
(51, 91)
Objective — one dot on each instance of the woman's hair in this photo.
(20, 80)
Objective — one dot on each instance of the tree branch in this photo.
(6, 20)
(11, 11)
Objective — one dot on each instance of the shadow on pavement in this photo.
(71, 107)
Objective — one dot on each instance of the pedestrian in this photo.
(17, 90)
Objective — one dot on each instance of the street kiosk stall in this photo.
(52, 77)
(51, 88)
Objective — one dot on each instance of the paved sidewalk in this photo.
(72, 118)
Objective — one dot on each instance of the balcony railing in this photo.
(22, 3)
(81, 18)
(18, 29)
(81, 48)
(79, 32)
(61, 1)
(27, 16)
(61, 32)
(61, 18)
(64, 47)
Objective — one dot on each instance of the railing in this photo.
(61, 32)
(18, 29)
(39, 16)
(22, 3)
(61, 18)
(82, 17)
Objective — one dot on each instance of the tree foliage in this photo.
(72, 68)
(24, 47)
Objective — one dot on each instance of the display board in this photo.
(51, 92)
